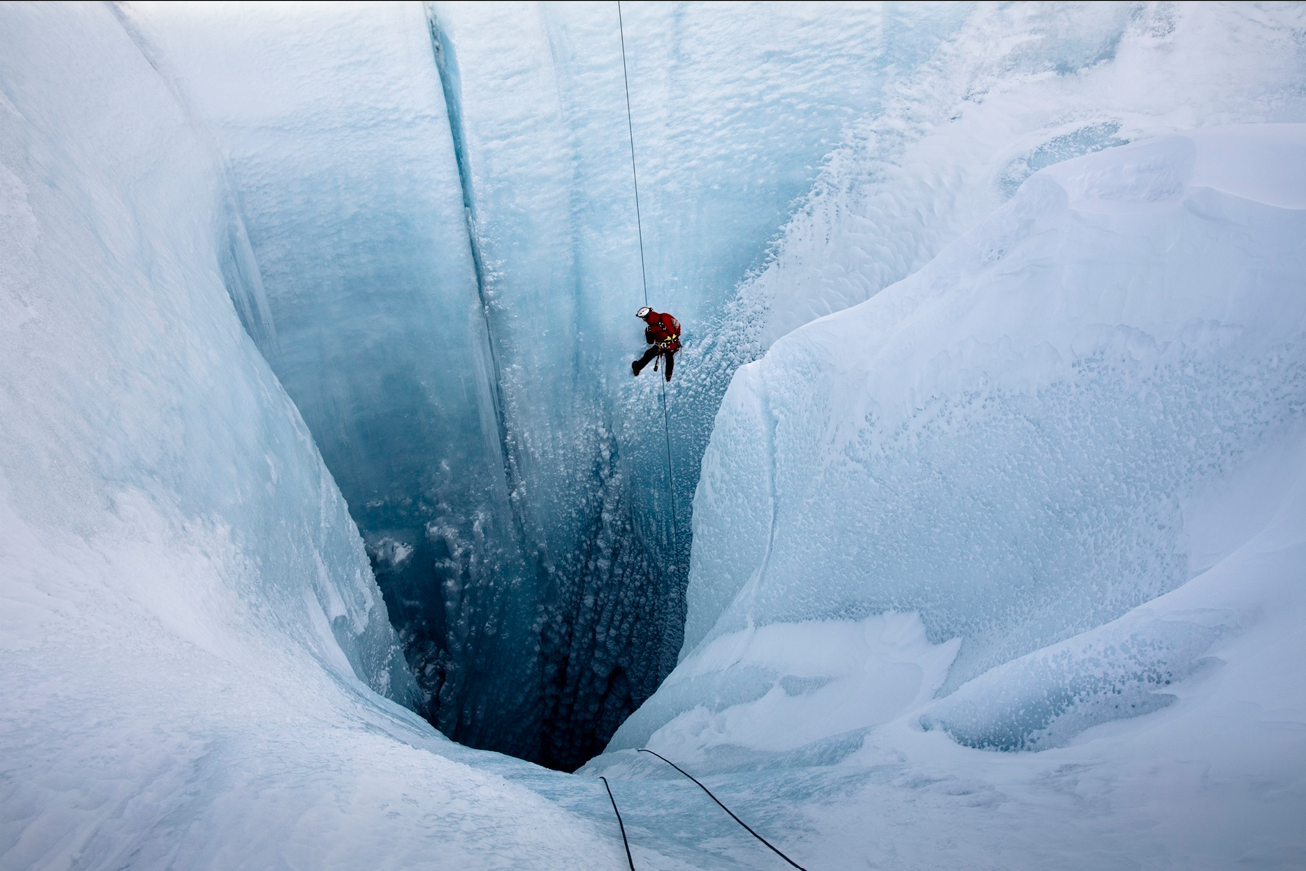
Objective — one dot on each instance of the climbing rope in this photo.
(619, 822)
(723, 807)
(630, 129)
(643, 272)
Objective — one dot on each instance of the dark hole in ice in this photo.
(550, 683)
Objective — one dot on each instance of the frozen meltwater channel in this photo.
(1000, 567)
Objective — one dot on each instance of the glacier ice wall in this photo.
(135, 405)
(189, 642)
(338, 141)
(1014, 445)
(446, 189)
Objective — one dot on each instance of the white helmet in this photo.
(644, 312)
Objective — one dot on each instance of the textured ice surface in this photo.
(1012, 444)
(1044, 495)
(1003, 441)
(1013, 89)
(137, 412)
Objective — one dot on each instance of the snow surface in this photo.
(1001, 568)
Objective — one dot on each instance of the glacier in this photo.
(316, 434)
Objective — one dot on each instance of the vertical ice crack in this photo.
(489, 603)
(446, 63)
(600, 641)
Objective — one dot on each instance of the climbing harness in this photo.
(643, 273)
(723, 807)
(619, 822)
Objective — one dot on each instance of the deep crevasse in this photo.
(519, 513)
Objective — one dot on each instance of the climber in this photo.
(663, 335)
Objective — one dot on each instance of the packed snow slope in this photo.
(1031, 522)
(439, 206)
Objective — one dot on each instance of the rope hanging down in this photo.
(643, 273)
(630, 129)
(619, 822)
(723, 807)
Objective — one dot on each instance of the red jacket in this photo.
(662, 328)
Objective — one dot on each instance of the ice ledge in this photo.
(1265, 163)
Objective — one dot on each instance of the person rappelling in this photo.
(662, 332)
